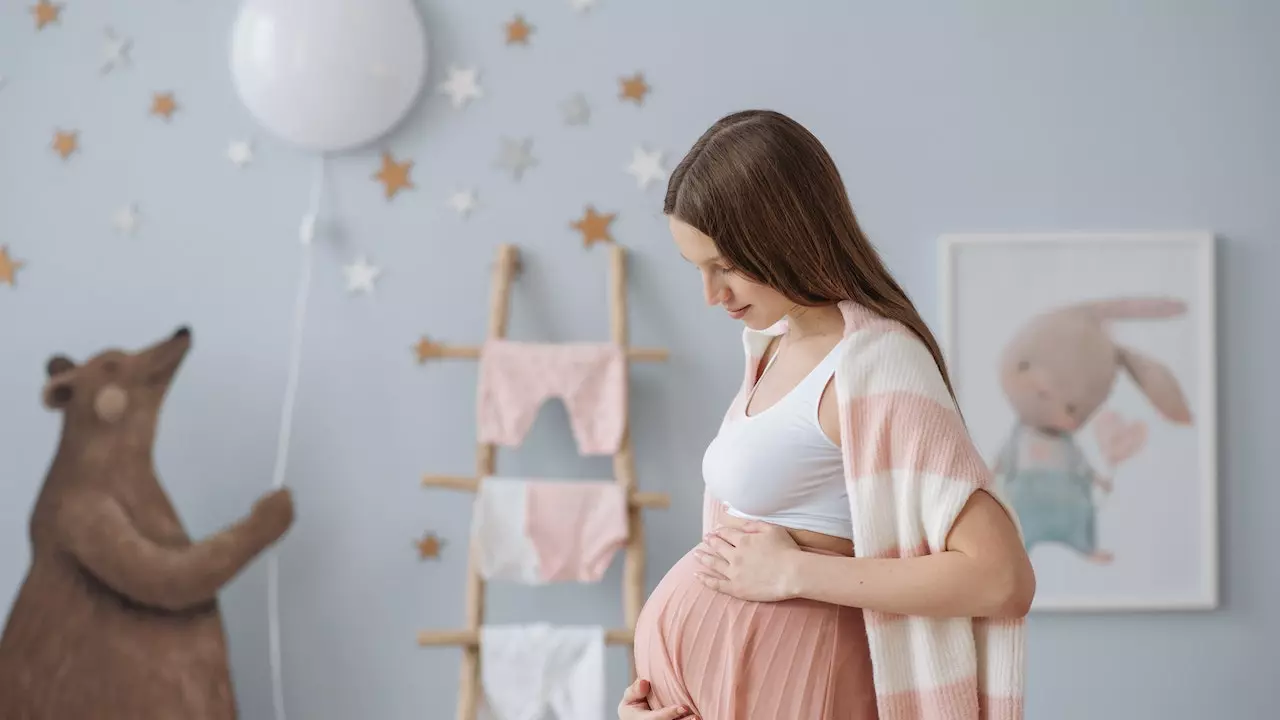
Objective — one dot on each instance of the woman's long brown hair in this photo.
(767, 192)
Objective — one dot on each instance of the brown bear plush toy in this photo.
(118, 616)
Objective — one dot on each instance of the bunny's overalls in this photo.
(1049, 483)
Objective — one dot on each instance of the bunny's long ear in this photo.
(1134, 308)
(1157, 383)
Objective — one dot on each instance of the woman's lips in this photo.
(737, 314)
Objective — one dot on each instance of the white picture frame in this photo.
(1019, 318)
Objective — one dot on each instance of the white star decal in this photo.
(575, 110)
(240, 152)
(516, 156)
(461, 87)
(125, 220)
(646, 167)
(361, 276)
(115, 51)
(463, 201)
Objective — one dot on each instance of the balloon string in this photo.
(286, 425)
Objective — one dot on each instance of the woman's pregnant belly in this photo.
(731, 659)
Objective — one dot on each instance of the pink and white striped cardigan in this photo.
(910, 467)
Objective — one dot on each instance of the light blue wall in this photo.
(993, 116)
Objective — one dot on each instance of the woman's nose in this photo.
(712, 290)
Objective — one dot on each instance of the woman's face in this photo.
(758, 306)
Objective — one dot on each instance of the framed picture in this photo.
(1084, 364)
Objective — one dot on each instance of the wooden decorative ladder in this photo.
(507, 267)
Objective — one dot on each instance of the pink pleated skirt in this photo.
(730, 659)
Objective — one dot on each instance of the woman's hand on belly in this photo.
(749, 560)
(635, 705)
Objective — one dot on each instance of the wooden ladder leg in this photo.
(470, 688)
(624, 459)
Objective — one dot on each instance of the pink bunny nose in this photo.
(1048, 400)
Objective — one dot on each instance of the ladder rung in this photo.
(431, 350)
(619, 636)
(469, 484)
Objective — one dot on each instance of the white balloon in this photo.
(328, 75)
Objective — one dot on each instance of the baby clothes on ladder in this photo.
(516, 378)
(527, 669)
(543, 531)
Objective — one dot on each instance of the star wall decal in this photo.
(429, 546)
(594, 226)
(462, 86)
(46, 13)
(516, 156)
(115, 51)
(125, 220)
(9, 267)
(463, 202)
(163, 105)
(361, 276)
(518, 31)
(575, 110)
(66, 142)
(634, 89)
(240, 152)
(393, 175)
(646, 167)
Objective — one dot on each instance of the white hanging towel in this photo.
(528, 669)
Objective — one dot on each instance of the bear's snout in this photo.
(182, 332)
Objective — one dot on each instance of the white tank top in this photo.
(778, 465)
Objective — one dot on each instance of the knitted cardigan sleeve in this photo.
(910, 468)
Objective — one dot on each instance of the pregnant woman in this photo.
(856, 565)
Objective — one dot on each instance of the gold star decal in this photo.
(8, 267)
(46, 12)
(429, 546)
(65, 142)
(518, 31)
(425, 350)
(394, 176)
(594, 227)
(634, 88)
(164, 105)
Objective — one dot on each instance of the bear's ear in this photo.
(58, 393)
(58, 364)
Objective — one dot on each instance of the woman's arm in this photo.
(984, 572)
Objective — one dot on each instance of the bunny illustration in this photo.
(1057, 371)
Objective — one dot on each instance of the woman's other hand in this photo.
(635, 706)
(749, 560)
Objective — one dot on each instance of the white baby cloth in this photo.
(498, 532)
(548, 530)
(527, 669)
